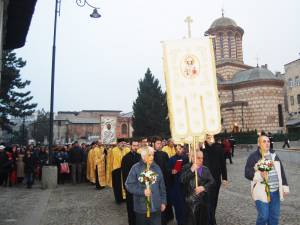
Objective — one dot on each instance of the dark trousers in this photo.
(286, 144)
(29, 179)
(177, 200)
(83, 178)
(167, 215)
(196, 215)
(76, 172)
(62, 177)
(129, 206)
(117, 185)
(154, 219)
(228, 156)
(3, 177)
(213, 202)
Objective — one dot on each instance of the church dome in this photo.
(223, 22)
(256, 73)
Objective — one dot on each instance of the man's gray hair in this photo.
(145, 151)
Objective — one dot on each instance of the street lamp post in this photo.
(94, 14)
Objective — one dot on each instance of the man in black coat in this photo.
(29, 166)
(4, 165)
(128, 161)
(214, 159)
(161, 159)
(196, 196)
(76, 158)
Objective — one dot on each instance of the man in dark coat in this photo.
(161, 159)
(29, 166)
(215, 161)
(196, 197)
(4, 165)
(176, 164)
(128, 161)
(232, 142)
(76, 158)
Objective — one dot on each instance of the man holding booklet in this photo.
(176, 163)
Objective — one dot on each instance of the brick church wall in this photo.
(261, 112)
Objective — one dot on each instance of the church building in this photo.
(251, 97)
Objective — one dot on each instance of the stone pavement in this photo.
(83, 205)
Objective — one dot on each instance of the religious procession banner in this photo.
(108, 129)
(191, 83)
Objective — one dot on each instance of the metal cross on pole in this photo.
(189, 20)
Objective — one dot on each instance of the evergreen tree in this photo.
(149, 109)
(20, 136)
(13, 102)
(40, 128)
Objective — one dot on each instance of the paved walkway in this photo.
(83, 205)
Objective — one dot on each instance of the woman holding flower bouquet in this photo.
(268, 182)
(145, 181)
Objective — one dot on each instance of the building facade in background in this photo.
(292, 81)
(91, 125)
(251, 97)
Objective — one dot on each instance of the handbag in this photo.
(64, 168)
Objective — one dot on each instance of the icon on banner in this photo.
(190, 66)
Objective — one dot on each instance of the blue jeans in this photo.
(268, 213)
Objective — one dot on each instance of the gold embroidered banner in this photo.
(191, 84)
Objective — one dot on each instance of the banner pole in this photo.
(195, 160)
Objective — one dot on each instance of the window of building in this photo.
(280, 115)
(221, 45)
(124, 129)
(236, 45)
(298, 99)
(229, 44)
(292, 100)
(214, 45)
(297, 81)
(290, 82)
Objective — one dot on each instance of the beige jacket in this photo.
(258, 189)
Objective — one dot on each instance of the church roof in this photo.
(256, 73)
(84, 121)
(129, 114)
(223, 22)
(18, 19)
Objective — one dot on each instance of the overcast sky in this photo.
(99, 61)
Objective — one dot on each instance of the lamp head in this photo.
(95, 14)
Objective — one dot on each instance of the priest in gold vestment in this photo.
(90, 170)
(116, 155)
(99, 166)
(169, 148)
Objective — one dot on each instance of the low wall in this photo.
(287, 155)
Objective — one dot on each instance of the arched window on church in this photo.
(221, 45)
(229, 44)
(214, 45)
(124, 129)
(237, 38)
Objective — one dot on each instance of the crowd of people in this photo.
(20, 164)
(187, 181)
(175, 186)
